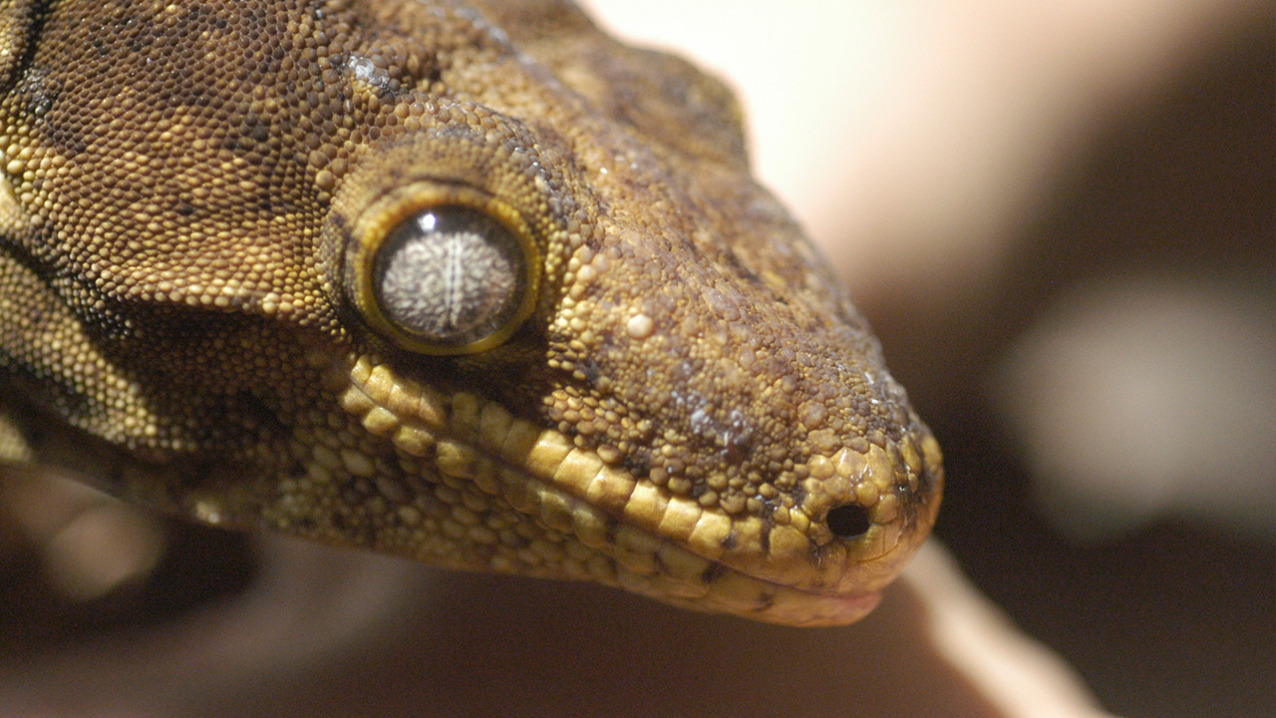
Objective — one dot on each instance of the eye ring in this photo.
(443, 269)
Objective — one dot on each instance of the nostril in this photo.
(848, 520)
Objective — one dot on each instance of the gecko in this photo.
(470, 283)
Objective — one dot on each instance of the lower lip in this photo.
(848, 609)
(823, 610)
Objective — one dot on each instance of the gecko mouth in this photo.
(596, 521)
(621, 548)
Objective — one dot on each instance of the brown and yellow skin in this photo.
(682, 401)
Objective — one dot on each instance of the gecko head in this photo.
(671, 395)
(601, 355)
(495, 299)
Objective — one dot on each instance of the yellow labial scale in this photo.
(610, 488)
(707, 535)
(930, 449)
(456, 459)
(412, 440)
(789, 547)
(380, 422)
(551, 449)
(519, 441)
(421, 404)
(361, 370)
(381, 381)
(577, 469)
(747, 534)
(680, 518)
(646, 506)
(355, 401)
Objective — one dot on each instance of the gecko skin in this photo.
(470, 283)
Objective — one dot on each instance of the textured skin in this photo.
(693, 409)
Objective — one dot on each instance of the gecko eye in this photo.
(450, 277)
(447, 278)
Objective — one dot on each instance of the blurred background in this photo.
(1059, 218)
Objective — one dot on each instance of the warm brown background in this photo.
(1013, 189)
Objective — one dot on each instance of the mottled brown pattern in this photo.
(191, 195)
